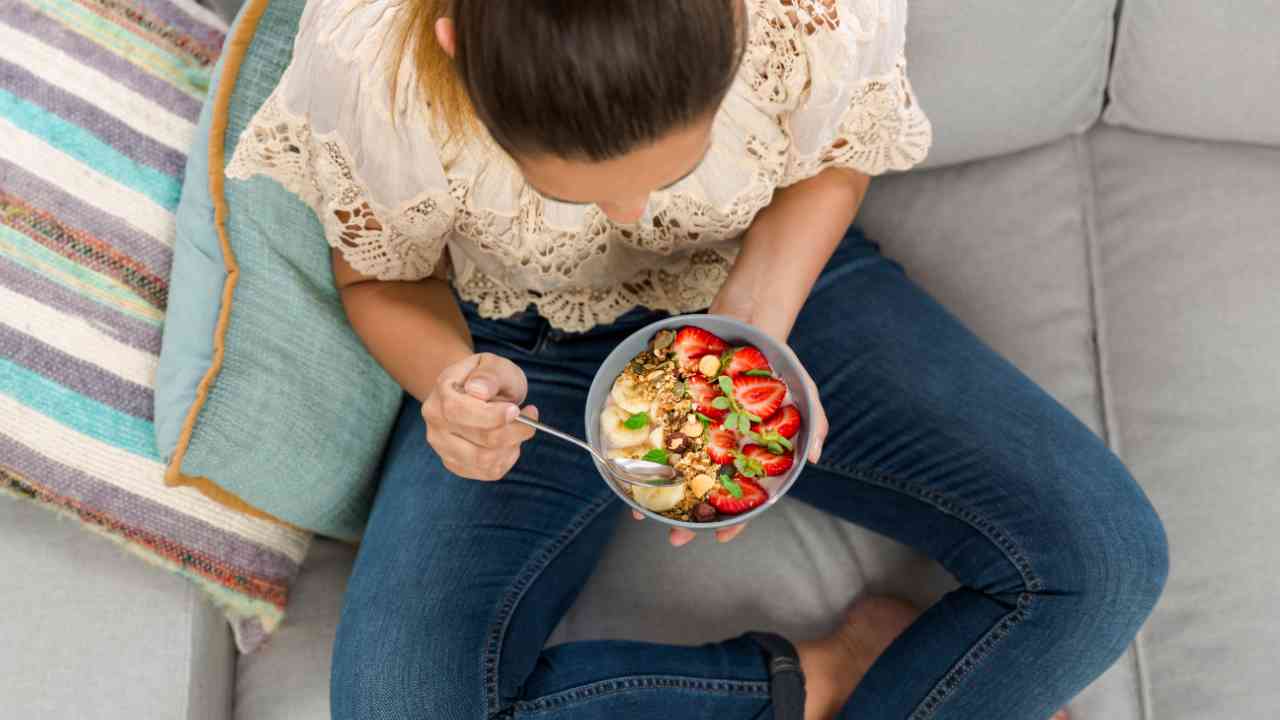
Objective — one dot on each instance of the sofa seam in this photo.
(1110, 430)
(1012, 552)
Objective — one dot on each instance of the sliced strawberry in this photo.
(702, 391)
(753, 496)
(760, 396)
(743, 359)
(694, 342)
(772, 464)
(721, 444)
(785, 422)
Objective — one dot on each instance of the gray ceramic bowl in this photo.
(781, 358)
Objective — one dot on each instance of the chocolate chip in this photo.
(704, 512)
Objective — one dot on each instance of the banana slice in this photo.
(616, 432)
(656, 438)
(658, 499)
(628, 395)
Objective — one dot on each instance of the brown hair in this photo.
(582, 79)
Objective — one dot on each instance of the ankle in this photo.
(835, 665)
(827, 688)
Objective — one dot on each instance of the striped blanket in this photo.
(98, 102)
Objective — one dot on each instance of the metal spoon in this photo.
(633, 472)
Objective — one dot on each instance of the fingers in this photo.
(470, 416)
(462, 410)
(470, 461)
(818, 422)
(512, 433)
(680, 536)
(820, 429)
(724, 535)
(496, 378)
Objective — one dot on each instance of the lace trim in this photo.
(809, 16)
(400, 244)
(689, 284)
(883, 129)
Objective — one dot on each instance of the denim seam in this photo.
(632, 683)
(532, 570)
(1007, 546)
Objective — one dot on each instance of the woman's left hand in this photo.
(817, 425)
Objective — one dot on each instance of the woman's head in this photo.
(598, 101)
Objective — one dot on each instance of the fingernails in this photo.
(512, 412)
(480, 388)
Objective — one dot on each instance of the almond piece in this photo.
(709, 365)
(701, 484)
(692, 428)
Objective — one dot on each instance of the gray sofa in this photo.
(1127, 259)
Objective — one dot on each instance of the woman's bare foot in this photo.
(833, 666)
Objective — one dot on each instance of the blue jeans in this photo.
(935, 440)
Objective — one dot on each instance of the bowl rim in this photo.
(767, 345)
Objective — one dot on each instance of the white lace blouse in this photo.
(823, 83)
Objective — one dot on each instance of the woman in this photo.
(510, 188)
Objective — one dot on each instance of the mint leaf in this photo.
(775, 448)
(753, 417)
(657, 455)
(637, 421)
(726, 385)
(720, 403)
(703, 418)
(748, 466)
(758, 372)
(785, 443)
(731, 485)
(744, 425)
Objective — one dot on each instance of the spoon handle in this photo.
(563, 436)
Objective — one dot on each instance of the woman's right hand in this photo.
(470, 416)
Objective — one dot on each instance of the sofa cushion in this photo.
(281, 366)
(1016, 271)
(1189, 295)
(163, 651)
(1199, 69)
(98, 104)
(996, 77)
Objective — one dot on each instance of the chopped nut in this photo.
(709, 365)
(654, 375)
(692, 428)
(663, 339)
(703, 512)
(678, 443)
(701, 484)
